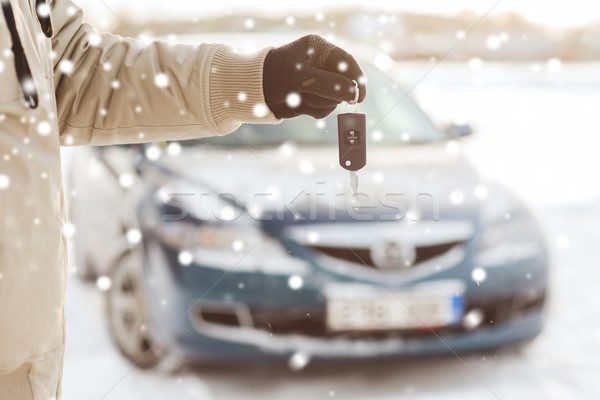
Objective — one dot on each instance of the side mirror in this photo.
(458, 131)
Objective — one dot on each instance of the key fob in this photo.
(352, 140)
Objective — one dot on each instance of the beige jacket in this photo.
(94, 89)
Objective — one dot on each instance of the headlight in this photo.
(210, 236)
(509, 234)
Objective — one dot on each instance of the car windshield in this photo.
(392, 119)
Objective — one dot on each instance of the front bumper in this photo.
(272, 321)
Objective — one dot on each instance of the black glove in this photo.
(317, 71)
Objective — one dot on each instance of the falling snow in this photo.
(44, 128)
(4, 181)
(174, 149)
(473, 319)
(260, 110)
(306, 167)
(153, 152)
(298, 361)
(103, 283)
(134, 236)
(383, 62)
(126, 180)
(475, 63)
(242, 96)
(478, 275)
(295, 282)
(293, 100)
(185, 258)
(161, 80)
(43, 10)
(68, 229)
(457, 197)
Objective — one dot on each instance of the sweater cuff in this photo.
(236, 89)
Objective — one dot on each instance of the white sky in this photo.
(556, 13)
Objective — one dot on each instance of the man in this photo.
(61, 83)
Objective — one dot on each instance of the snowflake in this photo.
(295, 282)
(378, 177)
(1, 66)
(457, 197)
(126, 180)
(95, 39)
(260, 110)
(103, 283)
(227, 213)
(249, 23)
(152, 152)
(185, 258)
(161, 80)
(342, 66)
(554, 65)
(481, 192)
(298, 360)
(107, 66)
(452, 147)
(290, 20)
(4, 181)
(320, 124)
(383, 62)
(134, 236)
(306, 167)
(313, 237)
(293, 100)
(460, 34)
(115, 84)
(377, 136)
(493, 42)
(319, 16)
(237, 245)
(242, 96)
(68, 229)
(174, 149)
(478, 275)
(473, 319)
(43, 10)
(475, 63)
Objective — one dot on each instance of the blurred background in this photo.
(524, 76)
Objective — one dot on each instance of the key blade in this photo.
(354, 185)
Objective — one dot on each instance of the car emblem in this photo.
(392, 255)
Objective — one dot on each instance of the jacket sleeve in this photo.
(114, 90)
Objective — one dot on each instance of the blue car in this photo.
(248, 246)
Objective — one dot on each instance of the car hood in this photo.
(307, 183)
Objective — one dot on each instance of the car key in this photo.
(352, 144)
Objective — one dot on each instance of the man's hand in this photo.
(310, 76)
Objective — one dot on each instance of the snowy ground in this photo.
(537, 133)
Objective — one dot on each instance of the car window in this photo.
(392, 118)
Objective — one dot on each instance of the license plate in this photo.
(359, 307)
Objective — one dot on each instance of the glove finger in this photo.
(318, 113)
(328, 84)
(316, 101)
(342, 62)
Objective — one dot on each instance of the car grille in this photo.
(363, 256)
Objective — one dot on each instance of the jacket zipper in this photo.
(20, 59)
